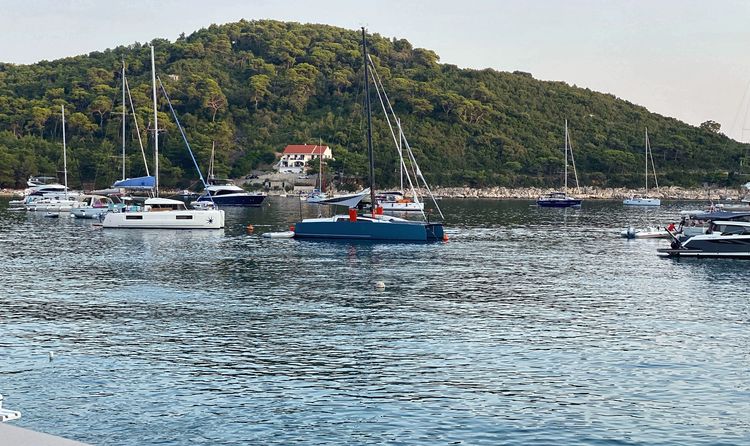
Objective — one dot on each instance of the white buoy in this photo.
(379, 285)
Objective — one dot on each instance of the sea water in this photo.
(529, 326)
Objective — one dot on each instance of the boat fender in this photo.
(291, 228)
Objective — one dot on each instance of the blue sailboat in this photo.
(373, 225)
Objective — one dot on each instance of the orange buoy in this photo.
(445, 237)
(249, 229)
(291, 228)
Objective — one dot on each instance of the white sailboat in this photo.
(164, 213)
(645, 200)
(60, 201)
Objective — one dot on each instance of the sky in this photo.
(682, 58)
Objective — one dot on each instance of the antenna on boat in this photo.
(374, 203)
(156, 127)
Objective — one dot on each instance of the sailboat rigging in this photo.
(637, 200)
(374, 225)
(559, 199)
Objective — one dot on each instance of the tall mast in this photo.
(65, 154)
(400, 155)
(646, 160)
(565, 187)
(156, 127)
(123, 118)
(320, 163)
(369, 124)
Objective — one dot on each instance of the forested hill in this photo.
(253, 87)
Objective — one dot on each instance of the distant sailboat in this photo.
(644, 200)
(374, 226)
(561, 199)
(62, 200)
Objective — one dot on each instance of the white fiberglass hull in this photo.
(88, 212)
(50, 206)
(167, 219)
(401, 207)
(642, 202)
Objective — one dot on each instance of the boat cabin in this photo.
(164, 204)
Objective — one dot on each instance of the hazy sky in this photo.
(682, 58)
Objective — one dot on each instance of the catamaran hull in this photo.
(235, 200)
(412, 231)
(187, 219)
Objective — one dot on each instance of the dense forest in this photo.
(253, 87)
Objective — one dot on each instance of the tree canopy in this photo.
(252, 87)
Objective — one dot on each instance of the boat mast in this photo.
(646, 161)
(123, 118)
(400, 154)
(369, 125)
(156, 127)
(565, 186)
(65, 154)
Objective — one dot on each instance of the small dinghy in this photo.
(632, 232)
(284, 234)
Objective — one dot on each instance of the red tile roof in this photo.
(304, 149)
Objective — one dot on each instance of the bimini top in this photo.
(140, 183)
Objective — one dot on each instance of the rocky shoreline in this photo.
(532, 193)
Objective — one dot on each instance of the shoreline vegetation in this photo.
(532, 193)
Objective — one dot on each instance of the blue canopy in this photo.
(140, 183)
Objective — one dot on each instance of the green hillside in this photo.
(253, 87)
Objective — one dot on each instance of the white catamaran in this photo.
(164, 213)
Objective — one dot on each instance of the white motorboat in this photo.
(638, 200)
(395, 201)
(723, 238)
(653, 232)
(92, 206)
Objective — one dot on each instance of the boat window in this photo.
(134, 217)
(184, 217)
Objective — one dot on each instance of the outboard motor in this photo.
(630, 233)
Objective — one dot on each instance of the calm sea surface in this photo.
(530, 326)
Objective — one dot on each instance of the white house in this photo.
(295, 157)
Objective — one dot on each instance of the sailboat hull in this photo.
(642, 202)
(381, 229)
(558, 202)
